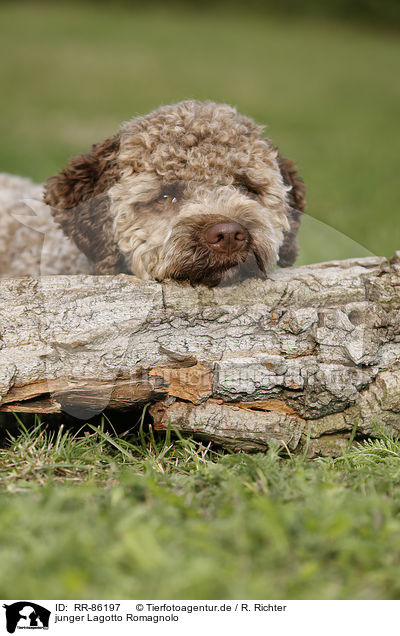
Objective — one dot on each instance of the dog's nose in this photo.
(226, 237)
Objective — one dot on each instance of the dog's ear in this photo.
(80, 203)
(288, 250)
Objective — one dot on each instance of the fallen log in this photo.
(303, 357)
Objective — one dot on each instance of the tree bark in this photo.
(304, 357)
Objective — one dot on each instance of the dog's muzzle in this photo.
(227, 238)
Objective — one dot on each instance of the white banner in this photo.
(182, 617)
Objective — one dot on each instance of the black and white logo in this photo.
(26, 615)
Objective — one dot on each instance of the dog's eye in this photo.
(170, 193)
(253, 193)
(167, 197)
(249, 191)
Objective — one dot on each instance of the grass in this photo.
(328, 91)
(100, 516)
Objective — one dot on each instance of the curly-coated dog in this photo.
(190, 192)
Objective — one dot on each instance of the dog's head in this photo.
(189, 192)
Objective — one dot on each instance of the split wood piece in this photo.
(305, 354)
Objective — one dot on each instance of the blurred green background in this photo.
(325, 81)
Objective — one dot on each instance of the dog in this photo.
(192, 192)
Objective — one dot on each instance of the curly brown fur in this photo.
(31, 243)
(288, 251)
(81, 206)
(146, 200)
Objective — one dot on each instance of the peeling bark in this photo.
(306, 354)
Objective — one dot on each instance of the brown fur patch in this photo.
(80, 205)
(288, 250)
